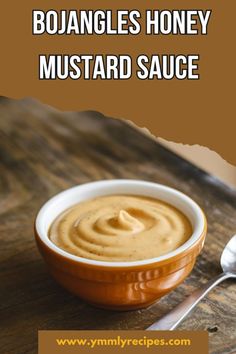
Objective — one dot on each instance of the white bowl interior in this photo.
(72, 196)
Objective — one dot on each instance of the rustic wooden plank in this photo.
(43, 151)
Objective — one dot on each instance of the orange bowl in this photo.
(120, 285)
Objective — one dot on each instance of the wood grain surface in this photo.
(43, 151)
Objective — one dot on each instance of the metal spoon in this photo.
(178, 314)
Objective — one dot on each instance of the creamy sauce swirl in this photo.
(120, 228)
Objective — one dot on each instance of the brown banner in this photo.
(88, 342)
(188, 111)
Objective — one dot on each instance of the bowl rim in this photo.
(194, 238)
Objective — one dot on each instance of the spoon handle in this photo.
(174, 317)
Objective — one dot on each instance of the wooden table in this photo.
(43, 151)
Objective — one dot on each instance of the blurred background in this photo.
(201, 156)
(206, 159)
